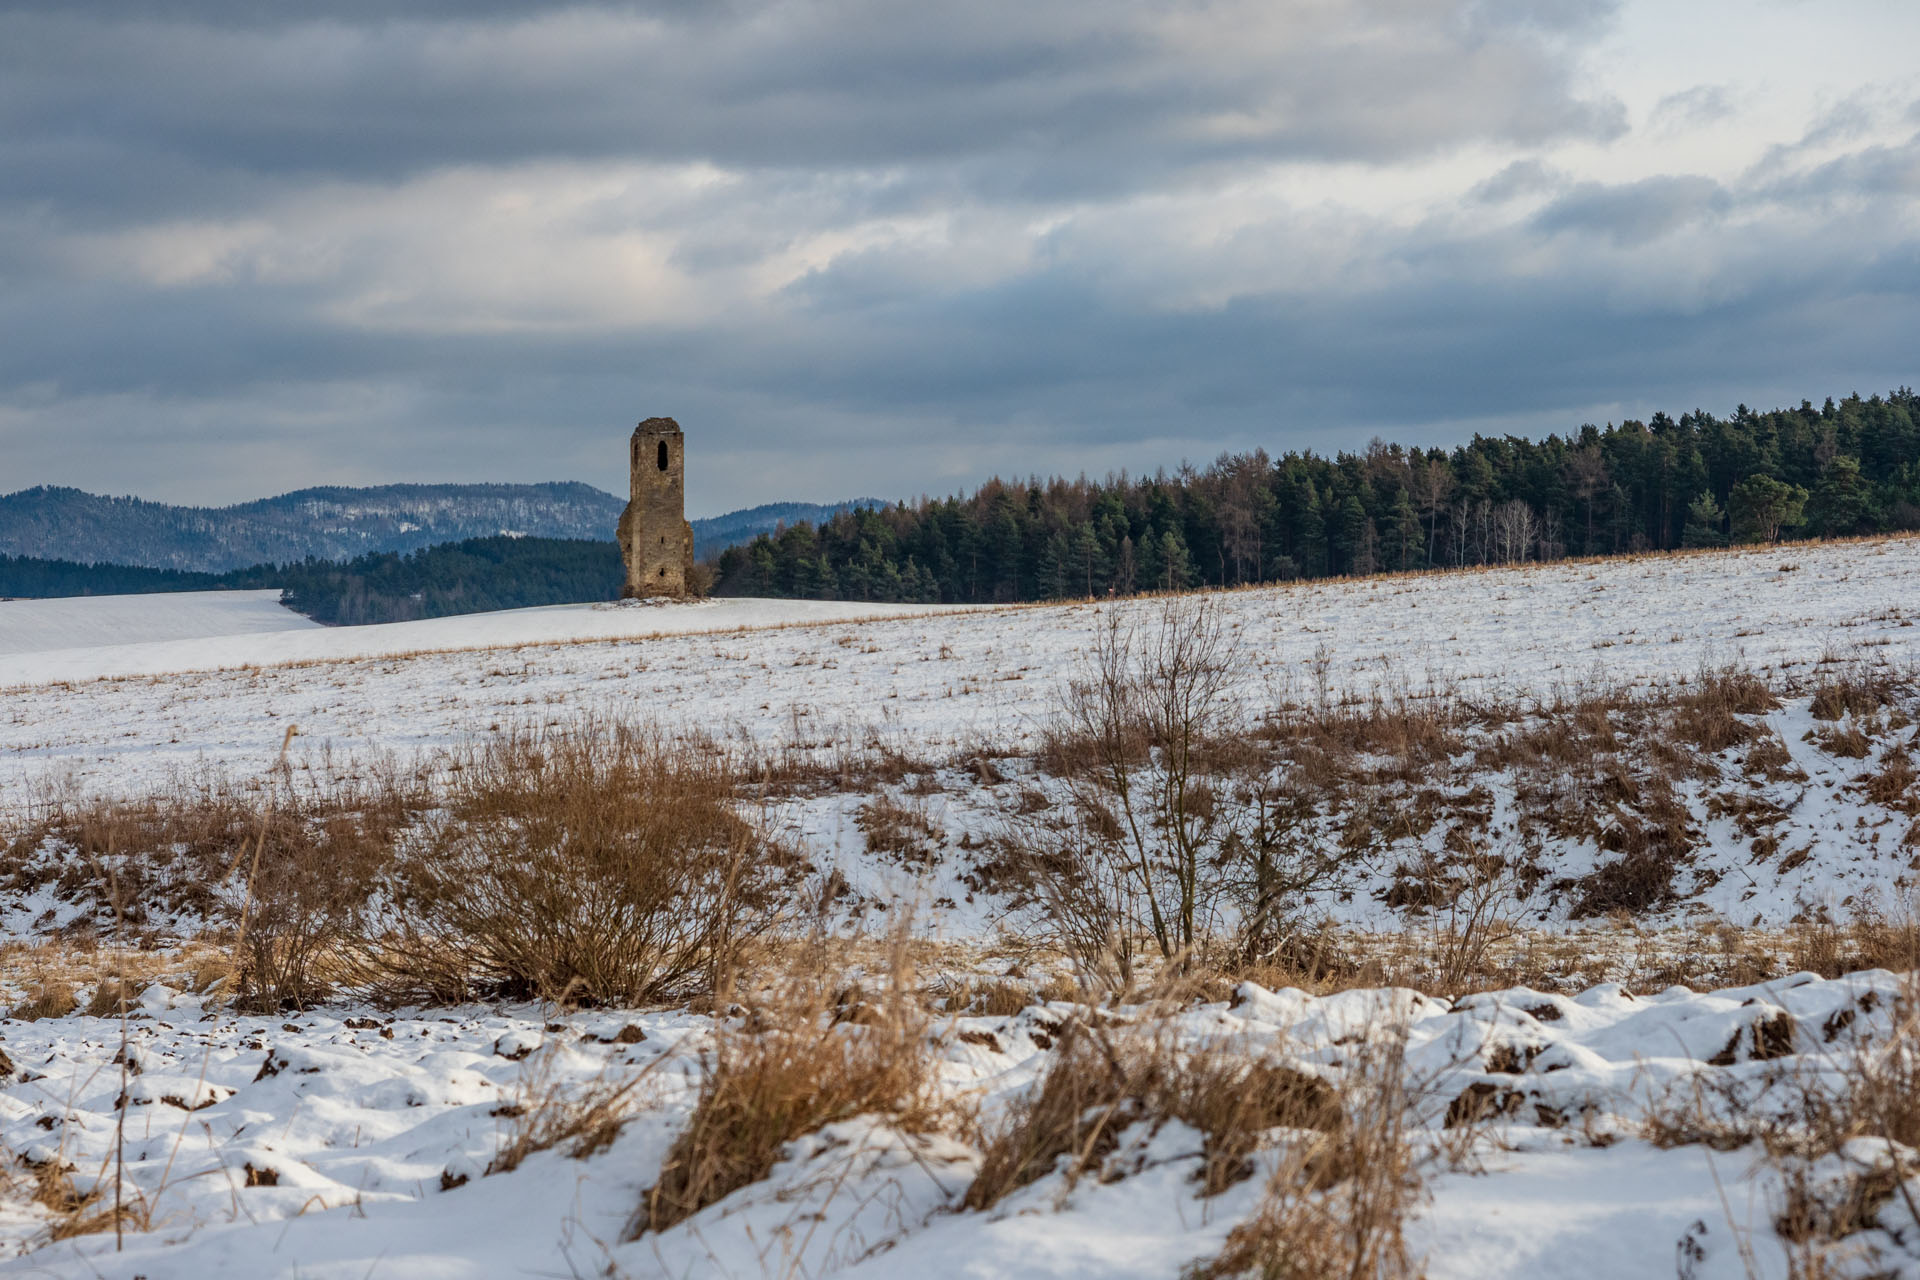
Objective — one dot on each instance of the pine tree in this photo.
(1706, 523)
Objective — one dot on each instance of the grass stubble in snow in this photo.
(1458, 1047)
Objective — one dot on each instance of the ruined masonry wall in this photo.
(655, 538)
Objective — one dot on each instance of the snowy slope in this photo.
(934, 682)
(270, 639)
(87, 622)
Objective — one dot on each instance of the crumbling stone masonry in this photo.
(655, 538)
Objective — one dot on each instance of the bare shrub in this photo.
(1477, 919)
(587, 862)
(794, 1067)
(1172, 823)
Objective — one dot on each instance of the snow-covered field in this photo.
(352, 1142)
(89, 622)
(49, 641)
(942, 685)
(349, 1144)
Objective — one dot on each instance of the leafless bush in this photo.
(1173, 824)
(1477, 918)
(586, 862)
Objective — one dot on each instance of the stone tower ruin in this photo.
(655, 538)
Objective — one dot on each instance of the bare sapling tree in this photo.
(1271, 859)
(1137, 741)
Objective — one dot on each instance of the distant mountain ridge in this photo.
(337, 523)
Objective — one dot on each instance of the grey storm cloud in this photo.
(859, 246)
(1058, 95)
(1634, 213)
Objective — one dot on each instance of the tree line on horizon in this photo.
(1699, 481)
(477, 575)
(1847, 467)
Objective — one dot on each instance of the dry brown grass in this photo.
(1869, 938)
(1857, 689)
(1103, 1079)
(1337, 1204)
(296, 863)
(1893, 784)
(1869, 1089)
(48, 1000)
(585, 1119)
(72, 1212)
(997, 998)
(1710, 714)
(902, 831)
(316, 864)
(808, 1056)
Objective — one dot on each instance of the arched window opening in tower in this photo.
(663, 455)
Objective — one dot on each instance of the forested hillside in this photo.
(715, 534)
(1843, 468)
(473, 576)
(326, 523)
(80, 529)
(30, 578)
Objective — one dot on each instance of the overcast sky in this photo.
(887, 247)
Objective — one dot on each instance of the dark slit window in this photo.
(663, 455)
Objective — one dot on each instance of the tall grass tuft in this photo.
(799, 1063)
